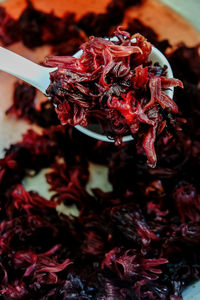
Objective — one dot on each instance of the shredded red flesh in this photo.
(111, 77)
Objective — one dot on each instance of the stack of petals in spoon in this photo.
(111, 91)
(115, 89)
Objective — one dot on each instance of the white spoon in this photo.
(39, 77)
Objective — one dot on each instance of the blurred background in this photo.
(189, 9)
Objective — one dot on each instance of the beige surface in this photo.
(59, 6)
(163, 19)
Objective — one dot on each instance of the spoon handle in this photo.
(22, 68)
